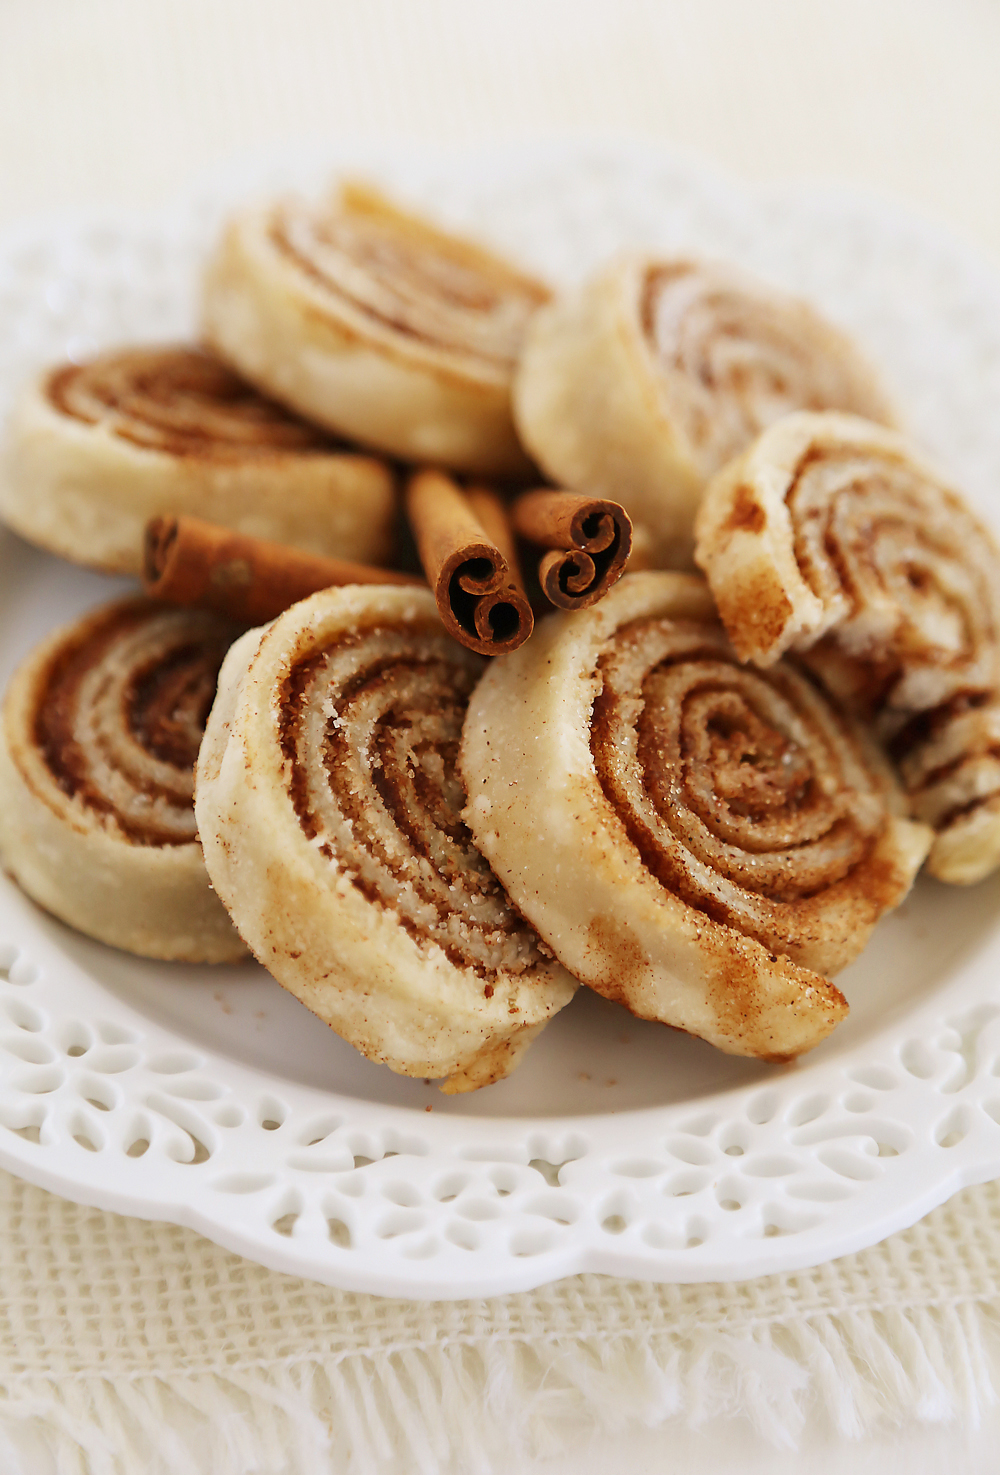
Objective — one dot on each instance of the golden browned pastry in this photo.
(643, 382)
(101, 726)
(701, 841)
(330, 810)
(841, 540)
(374, 323)
(95, 450)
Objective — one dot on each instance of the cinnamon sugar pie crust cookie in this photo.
(376, 324)
(842, 541)
(93, 451)
(700, 841)
(101, 727)
(330, 810)
(641, 383)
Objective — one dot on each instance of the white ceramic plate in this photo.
(212, 1098)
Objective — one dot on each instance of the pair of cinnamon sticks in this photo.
(466, 545)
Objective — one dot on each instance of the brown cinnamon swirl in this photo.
(840, 540)
(94, 450)
(375, 324)
(330, 808)
(641, 384)
(101, 727)
(698, 840)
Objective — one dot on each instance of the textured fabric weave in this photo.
(122, 1333)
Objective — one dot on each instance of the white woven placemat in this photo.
(132, 1346)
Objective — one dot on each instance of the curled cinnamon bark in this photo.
(467, 552)
(589, 540)
(190, 562)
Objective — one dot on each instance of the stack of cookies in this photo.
(427, 704)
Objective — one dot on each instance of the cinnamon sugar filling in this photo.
(906, 561)
(734, 362)
(182, 402)
(370, 730)
(742, 791)
(120, 716)
(410, 286)
(916, 646)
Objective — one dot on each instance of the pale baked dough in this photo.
(841, 540)
(100, 729)
(94, 451)
(695, 839)
(330, 813)
(641, 383)
(375, 324)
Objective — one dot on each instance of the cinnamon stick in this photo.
(589, 540)
(191, 562)
(467, 551)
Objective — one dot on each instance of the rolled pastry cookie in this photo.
(330, 809)
(643, 382)
(377, 325)
(94, 451)
(836, 538)
(101, 726)
(698, 840)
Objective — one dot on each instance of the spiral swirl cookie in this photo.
(698, 840)
(101, 727)
(642, 383)
(839, 539)
(375, 324)
(330, 809)
(95, 450)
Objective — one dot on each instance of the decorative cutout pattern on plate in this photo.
(104, 1098)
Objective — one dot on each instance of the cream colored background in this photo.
(116, 102)
(113, 101)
